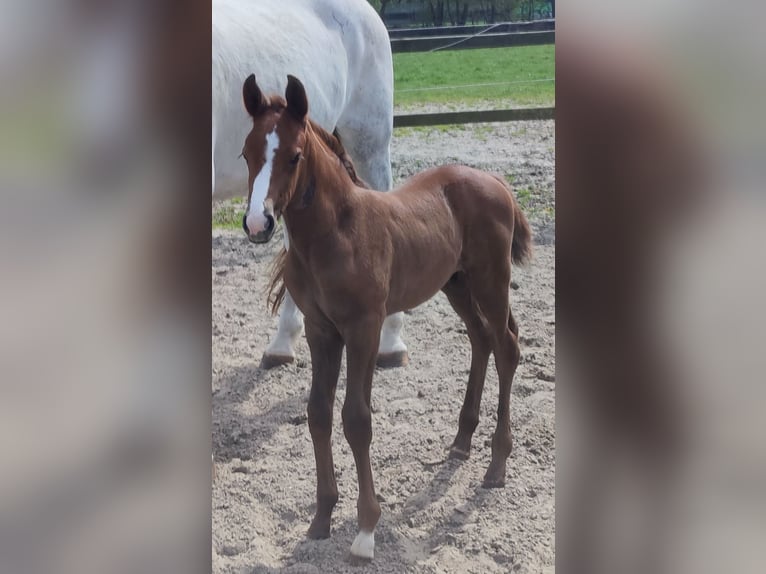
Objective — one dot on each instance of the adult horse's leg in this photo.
(326, 348)
(392, 352)
(459, 296)
(362, 339)
(369, 148)
(281, 350)
(491, 293)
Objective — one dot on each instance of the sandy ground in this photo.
(436, 516)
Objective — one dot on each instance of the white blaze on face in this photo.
(256, 221)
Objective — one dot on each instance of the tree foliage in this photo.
(462, 12)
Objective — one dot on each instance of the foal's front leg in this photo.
(326, 348)
(362, 340)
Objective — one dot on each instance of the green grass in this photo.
(532, 200)
(461, 67)
(524, 197)
(228, 215)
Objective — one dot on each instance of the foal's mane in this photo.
(276, 287)
(333, 142)
(330, 140)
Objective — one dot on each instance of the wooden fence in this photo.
(467, 42)
(534, 26)
(501, 35)
(473, 117)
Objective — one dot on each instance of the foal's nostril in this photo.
(269, 223)
(244, 224)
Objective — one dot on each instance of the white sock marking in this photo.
(364, 545)
(290, 326)
(391, 334)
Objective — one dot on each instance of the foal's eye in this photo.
(296, 159)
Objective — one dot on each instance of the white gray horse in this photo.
(341, 51)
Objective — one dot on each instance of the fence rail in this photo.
(473, 116)
(503, 35)
(533, 26)
(468, 42)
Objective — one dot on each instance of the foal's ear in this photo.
(254, 98)
(295, 94)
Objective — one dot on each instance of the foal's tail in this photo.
(276, 288)
(521, 247)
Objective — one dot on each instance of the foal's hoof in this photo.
(364, 545)
(319, 529)
(271, 361)
(457, 453)
(493, 481)
(393, 360)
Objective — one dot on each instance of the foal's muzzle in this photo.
(262, 236)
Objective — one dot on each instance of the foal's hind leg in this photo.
(491, 293)
(460, 298)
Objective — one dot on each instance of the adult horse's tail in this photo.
(521, 247)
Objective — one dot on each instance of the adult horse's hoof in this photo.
(364, 545)
(272, 361)
(393, 360)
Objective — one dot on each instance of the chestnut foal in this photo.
(357, 255)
